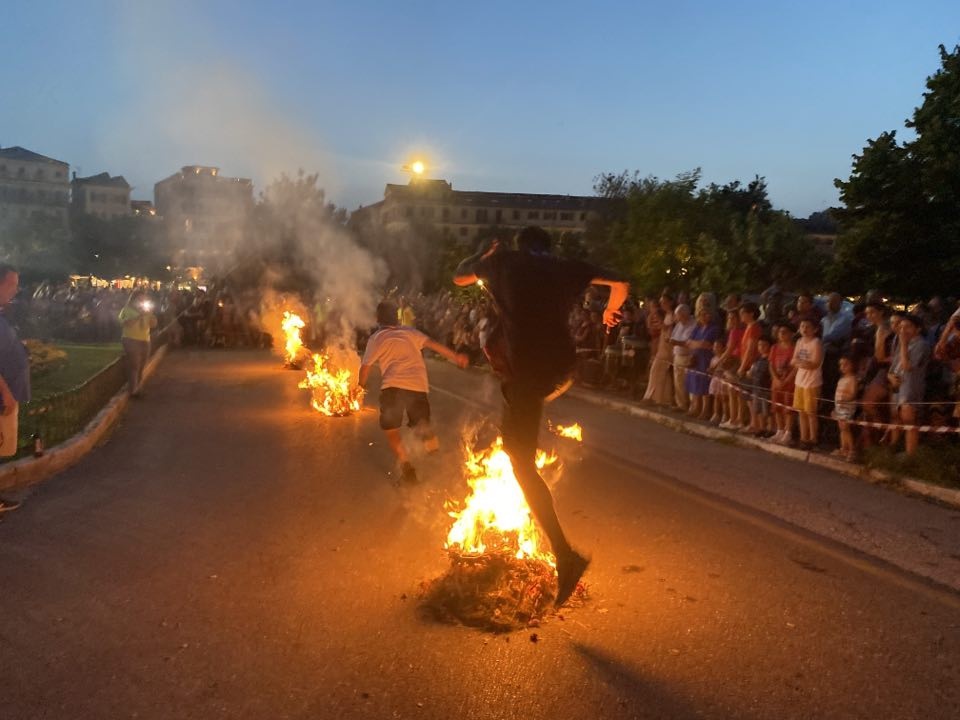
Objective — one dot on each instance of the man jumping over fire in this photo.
(398, 351)
(533, 353)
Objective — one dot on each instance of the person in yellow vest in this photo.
(137, 320)
(405, 314)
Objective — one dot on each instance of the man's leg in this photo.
(521, 424)
(391, 418)
(8, 448)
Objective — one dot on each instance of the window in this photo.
(566, 216)
(583, 216)
(408, 211)
(426, 212)
(551, 215)
(516, 214)
(445, 214)
(463, 213)
(463, 232)
(499, 216)
(533, 215)
(481, 216)
(3, 169)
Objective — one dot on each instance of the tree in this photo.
(900, 223)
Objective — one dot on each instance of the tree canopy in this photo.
(900, 220)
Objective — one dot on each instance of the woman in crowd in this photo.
(660, 383)
(682, 356)
(701, 342)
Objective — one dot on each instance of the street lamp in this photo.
(417, 167)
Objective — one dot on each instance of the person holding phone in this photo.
(137, 320)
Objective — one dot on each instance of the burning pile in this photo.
(501, 577)
(573, 432)
(293, 348)
(332, 385)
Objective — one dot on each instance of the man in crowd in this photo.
(137, 320)
(533, 352)
(397, 349)
(14, 373)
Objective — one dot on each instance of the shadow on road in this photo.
(639, 696)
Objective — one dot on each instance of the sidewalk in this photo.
(696, 427)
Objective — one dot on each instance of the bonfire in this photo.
(502, 576)
(333, 388)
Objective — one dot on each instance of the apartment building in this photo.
(32, 186)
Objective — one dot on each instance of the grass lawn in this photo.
(83, 362)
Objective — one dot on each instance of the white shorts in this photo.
(8, 433)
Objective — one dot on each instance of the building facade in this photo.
(32, 186)
(100, 195)
(465, 214)
(206, 214)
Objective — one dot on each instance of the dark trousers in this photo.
(522, 409)
(137, 352)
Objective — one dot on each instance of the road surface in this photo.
(231, 553)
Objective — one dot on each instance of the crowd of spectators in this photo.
(795, 369)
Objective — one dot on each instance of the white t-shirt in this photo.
(397, 350)
(806, 349)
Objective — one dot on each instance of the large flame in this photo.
(333, 390)
(495, 515)
(292, 324)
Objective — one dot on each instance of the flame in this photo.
(292, 324)
(495, 516)
(574, 432)
(333, 390)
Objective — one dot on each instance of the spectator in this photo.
(14, 373)
(137, 320)
(836, 327)
(660, 384)
(782, 374)
(908, 370)
(405, 313)
(808, 361)
(760, 388)
(845, 407)
(701, 343)
(682, 357)
(717, 389)
(731, 363)
(752, 330)
(876, 390)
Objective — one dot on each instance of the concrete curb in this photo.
(946, 495)
(29, 471)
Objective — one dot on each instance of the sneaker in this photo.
(408, 474)
(6, 505)
(570, 568)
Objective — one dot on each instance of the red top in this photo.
(780, 358)
(734, 338)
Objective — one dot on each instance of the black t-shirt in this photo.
(534, 294)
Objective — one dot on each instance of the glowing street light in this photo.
(417, 167)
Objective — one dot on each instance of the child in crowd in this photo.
(845, 406)
(808, 361)
(782, 374)
(716, 390)
(760, 388)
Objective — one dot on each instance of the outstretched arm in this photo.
(363, 375)
(618, 295)
(458, 359)
(466, 272)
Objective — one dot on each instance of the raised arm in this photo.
(466, 272)
(618, 295)
(458, 359)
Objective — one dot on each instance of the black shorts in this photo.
(395, 401)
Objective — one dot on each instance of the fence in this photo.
(62, 415)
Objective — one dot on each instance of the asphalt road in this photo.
(230, 553)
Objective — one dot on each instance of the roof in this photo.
(103, 180)
(18, 153)
(434, 191)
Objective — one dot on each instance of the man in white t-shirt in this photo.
(398, 351)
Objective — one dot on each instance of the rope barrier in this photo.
(743, 391)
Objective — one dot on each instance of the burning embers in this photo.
(573, 432)
(502, 576)
(293, 347)
(333, 387)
